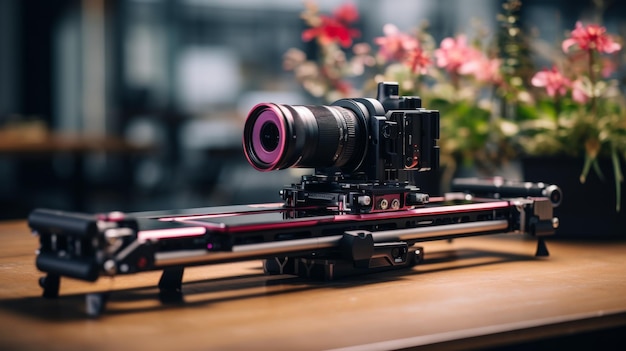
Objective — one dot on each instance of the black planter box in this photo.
(588, 210)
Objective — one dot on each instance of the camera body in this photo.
(402, 136)
(363, 150)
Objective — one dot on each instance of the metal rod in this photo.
(264, 250)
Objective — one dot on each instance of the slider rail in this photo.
(86, 247)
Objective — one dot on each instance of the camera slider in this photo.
(313, 242)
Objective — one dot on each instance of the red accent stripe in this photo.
(192, 217)
(170, 233)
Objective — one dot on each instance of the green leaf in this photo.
(586, 168)
(596, 168)
(526, 112)
(619, 177)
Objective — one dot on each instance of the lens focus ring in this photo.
(349, 137)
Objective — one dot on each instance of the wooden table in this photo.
(473, 292)
(48, 142)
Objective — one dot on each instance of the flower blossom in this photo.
(335, 28)
(591, 37)
(608, 67)
(579, 92)
(552, 80)
(483, 69)
(395, 45)
(418, 61)
(453, 53)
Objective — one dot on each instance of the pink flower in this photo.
(608, 67)
(453, 53)
(395, 45)
(591, 37)
(335, 29)
(579, 93)
(418, 61)
(552, 80)
(483, 69)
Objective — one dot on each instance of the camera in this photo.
(362, 149)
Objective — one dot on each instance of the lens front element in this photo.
(268, 136)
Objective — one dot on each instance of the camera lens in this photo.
(280, 136)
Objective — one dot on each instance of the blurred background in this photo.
(139, 104)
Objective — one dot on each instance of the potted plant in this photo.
(495, 107)
(573, 131)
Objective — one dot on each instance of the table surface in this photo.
(480, 291)
(46, 142)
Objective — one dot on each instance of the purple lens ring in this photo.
(264, 114)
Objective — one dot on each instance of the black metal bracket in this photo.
(170, 285)
(51, 284)
(358, 254)
(542, 248)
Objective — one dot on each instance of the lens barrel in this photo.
(278, 136)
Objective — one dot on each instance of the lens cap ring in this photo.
(265, 134)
